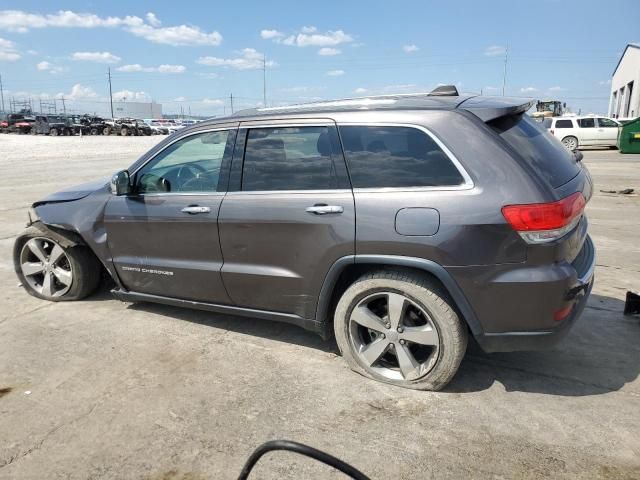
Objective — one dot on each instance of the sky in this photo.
(191, 56)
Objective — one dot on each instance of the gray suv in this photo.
(400, 224)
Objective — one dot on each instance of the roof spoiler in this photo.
(490, 108)
(444, 91)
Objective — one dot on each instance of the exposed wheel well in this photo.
(354, 271)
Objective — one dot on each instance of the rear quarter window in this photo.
(396, 157)
(542, 151)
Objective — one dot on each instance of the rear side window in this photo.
(543, 151)
(291, 158)
(564, 124)
(382, 156)
(587, 123)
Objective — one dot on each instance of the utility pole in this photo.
(504, 75)
(64, 107)
(110, 94)
(231, 97)
(1, 93)
(264, 80)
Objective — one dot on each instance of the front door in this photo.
(163, 238)
(607, 131)
(290, 217)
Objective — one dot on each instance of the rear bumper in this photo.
(577, 289)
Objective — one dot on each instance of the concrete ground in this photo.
(103, 389)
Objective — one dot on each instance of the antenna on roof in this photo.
(444, 91)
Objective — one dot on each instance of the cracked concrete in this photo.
(155, 392)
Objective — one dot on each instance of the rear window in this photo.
(564, 124)
(543, 151)
(397, 157)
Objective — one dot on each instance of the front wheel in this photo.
(124, 132)
(53, 132)
(571, 143)
(52, 272)
(397, 328)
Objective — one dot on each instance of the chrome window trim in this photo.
(468, 182)
(177, 194)
(332, 191)
(249, 125)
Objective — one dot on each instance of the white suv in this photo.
(576, 132)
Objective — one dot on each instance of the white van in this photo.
(587, 131)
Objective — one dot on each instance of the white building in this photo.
(137, 109)
(625, 85)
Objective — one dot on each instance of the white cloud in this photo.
(250, 59)
(43, 66)
(335, 73)
(556, 89)
(99, 57)
(410, 48)
(360, 90)
(528, 89)
(495, 50)
(210, 75)
(329, 52)
(604, 82)
(136, 67)
(271, 34)
(20, 21)
(8, 52)
(309, 37)
(214, 101)
(491, 89)
(180, 35)
(153, 20)
(79, 91)
(32, 52)
(129, 96)
(180, 99)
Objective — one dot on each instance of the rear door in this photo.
(290, 217)
(607, 131)
(588, 131)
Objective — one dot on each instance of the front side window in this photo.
(192, 164)
(396, 157)
(587, 123)
(288, 158)
(564, 124)
(607, 123)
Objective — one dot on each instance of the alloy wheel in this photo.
(46, 268)
(393, 336)
(570, 142)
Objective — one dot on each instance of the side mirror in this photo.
(120, 183)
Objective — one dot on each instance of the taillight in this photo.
(545, 222)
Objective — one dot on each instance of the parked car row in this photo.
(583, 131)
(56, 125)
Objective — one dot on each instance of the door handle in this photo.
(195, 209)
(324, 209)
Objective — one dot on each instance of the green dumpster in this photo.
(629, 137)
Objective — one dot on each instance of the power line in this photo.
(110, 93)
(1, 93)
(504, 76)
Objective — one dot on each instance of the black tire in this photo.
(571, 143)
(106, 131)
(85, 267)
(94, 131)
(67, 132)
(451, 331)
(124, 131)
(53, 132)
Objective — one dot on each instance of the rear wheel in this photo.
(397, 328)
(93, 131)
(53, 132)
(51, 272)
(124, 131)
(106, 131)
(570, 143)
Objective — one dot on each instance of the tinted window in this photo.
(291, 158)
(547, 122)
(607, 123)
(547, 155)
(191, 164)
(564, 124)
(587, 123)
(396, 157)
